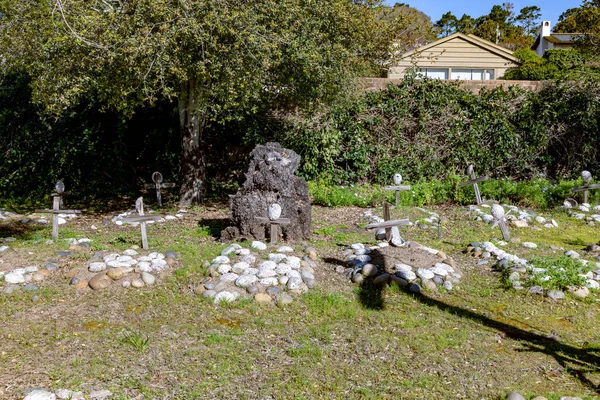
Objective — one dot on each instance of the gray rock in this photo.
(310, 283)
(369, 270)
(8, 289)
(209, 293)
(171, 254)
(252, 289)
(245, 281)
(224, 296)
(514, 276)
(284, 299)
(438, 280)
(514, 396)
(448, 285)
(30, 287)
(555, 294)
(357, 278)
(50, 266)
(148, 278)
(295, 282)
(100, 394)
(536, 290)
(414, 288)
(273, 290)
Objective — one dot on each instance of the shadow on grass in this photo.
(579, 362)
(18, 230)
(214, 226)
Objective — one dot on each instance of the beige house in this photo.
(458, 56)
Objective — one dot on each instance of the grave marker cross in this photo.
(56, 204)
(387, 223)
(274, 221)
(157, 178)
(587, 178)
(142, 219)
(500, 217)
(473, 181)
(397, 187)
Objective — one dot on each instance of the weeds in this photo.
(138, 340)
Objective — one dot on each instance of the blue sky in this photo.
(551, 9)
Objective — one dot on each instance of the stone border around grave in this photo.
(253, 273)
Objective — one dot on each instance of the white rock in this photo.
(293, 261)
(277, 257)
(425, 274)
(145, 259)
(224, 296)
(40, 394)
(31, 268)
(305, 275)
(130, 252)
(110, 257)
(283, 269)
(293, 274)
(445, 266)
(246, 280)
(230, 249)
(240, 267)
(250, 259)
(224, 268)
(269, 281)
(283, 280)
(84, 240)
(148, 278)
(408, 275)
(242, 252)
(156, 255)
(266, 273)
(251, 271)
(159, 265)
(126, 284)
(294, 283)
(13, 277)
(3, 248)
(124, 259)
(357, 246)
(259, 245)
(144, 266)
(267, 265)
(592, 284)
(402, 267)
(170, 217)
(220, 260)
(529, 245)
(66, 394)
(97, 267)
(285, 249)
(229, 277)
(439, 271)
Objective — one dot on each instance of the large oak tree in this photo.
(221, 59)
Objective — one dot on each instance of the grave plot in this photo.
(267, 276)
(516, 217)
(548, 276)
(130, 268)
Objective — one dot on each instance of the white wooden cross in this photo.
(274, 221)
(56, 204)
(587, 178)
(157, 178)
(387, 223)
(474, 181)
(500, 217)
(397, 187)
(142, 219)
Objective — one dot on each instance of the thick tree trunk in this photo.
(193, 164)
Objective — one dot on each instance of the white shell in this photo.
(274, 211)
(587, 176)
(497, 211)
(397, 179)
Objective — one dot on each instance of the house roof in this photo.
(472, 39)
(557, 38)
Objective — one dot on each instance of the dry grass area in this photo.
(478, 341)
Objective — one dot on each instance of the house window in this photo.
(434, 73)
(472, 74)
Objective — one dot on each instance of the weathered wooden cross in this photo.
(587, 178)
(474, 181)
(500, 217)
(387, 223)
(142, 219)
(397, 187)
(56, 204)
(274, 221)
(157, 178)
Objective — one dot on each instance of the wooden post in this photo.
(157, 178)
(387, 223)
(387, 217)
(397, 189)
(274, 226)
(473, 181)
(56, 208)
(142, 219)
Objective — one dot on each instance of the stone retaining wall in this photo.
(371, 84)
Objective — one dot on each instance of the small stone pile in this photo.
(5, 214)
(360, 267)
(118, 219)
(129, 269)
(264, 276)
(66, 394)
(520, 269)
(584, 209)
(517, 217)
